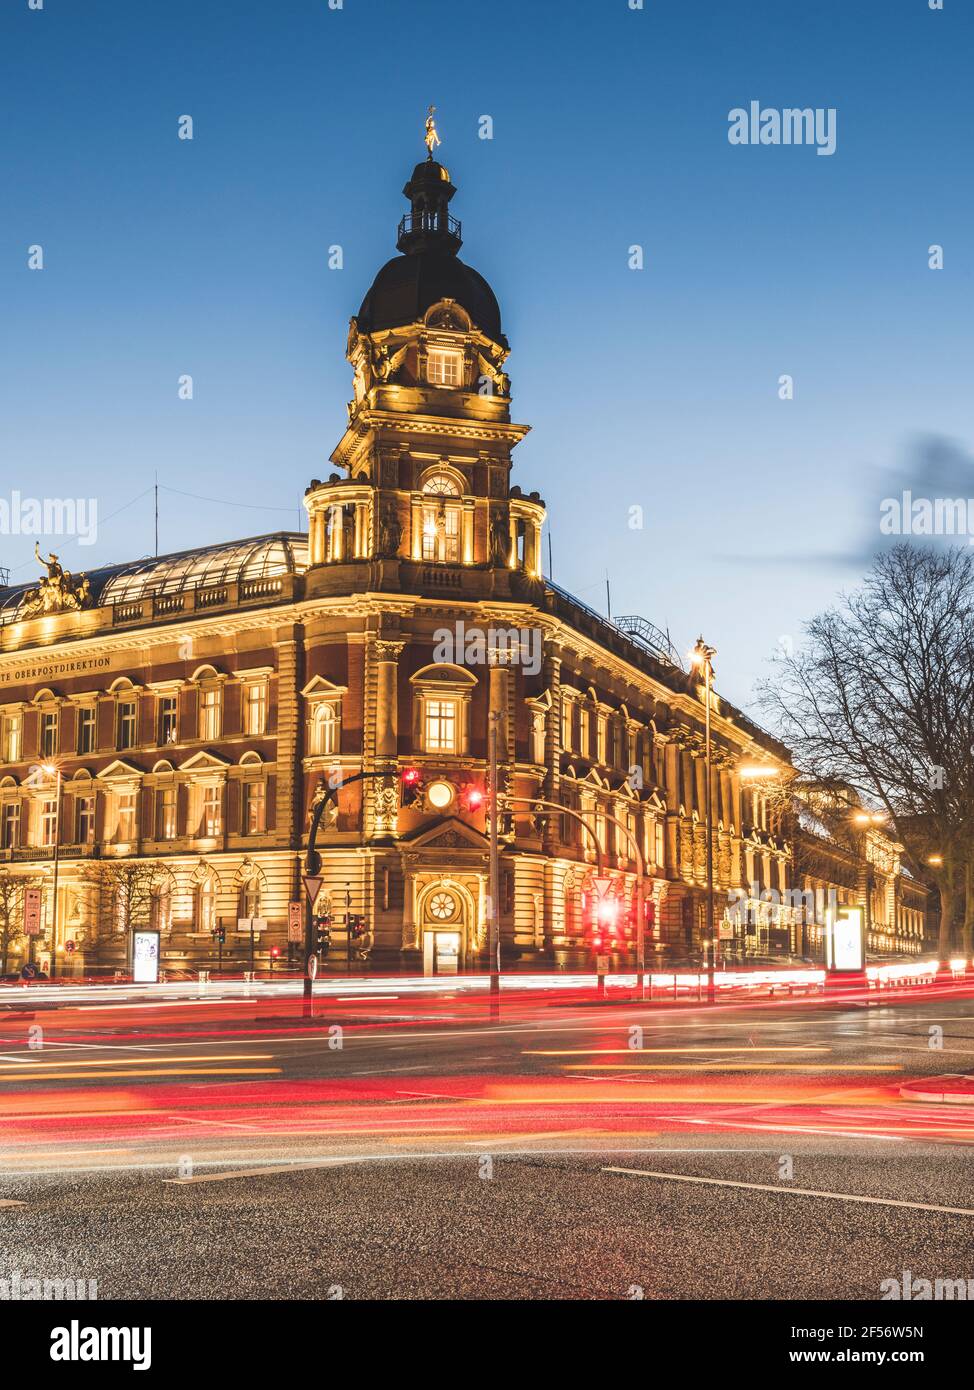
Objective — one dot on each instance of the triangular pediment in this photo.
(202, 760)
(320, 686)
(120, 768)
(448, 833)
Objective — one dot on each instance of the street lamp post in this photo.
(55, 772)
(703, 657)
(493, 915)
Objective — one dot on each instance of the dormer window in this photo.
(444, 367)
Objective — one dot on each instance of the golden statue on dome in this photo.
(431, 139)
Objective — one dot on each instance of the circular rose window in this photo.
(443, 906)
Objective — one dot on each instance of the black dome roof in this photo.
(408, 285)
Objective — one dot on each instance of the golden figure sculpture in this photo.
(57, 592)
(431, 139)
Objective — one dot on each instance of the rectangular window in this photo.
(658, 839)
(441, 534)
(584, 739)
(443, 367)
(48, 822)
(566, 724)
(440, 734)
(49, 733)
(13, 726)
(86, 729)
(84, 826)
(167, 719)
(126, 818)
(254, 803)
(126, 725)
(210, 713)
(11, 825)
(212, 821)
(166, 813)
(255, 710)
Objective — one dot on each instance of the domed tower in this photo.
(424, 495)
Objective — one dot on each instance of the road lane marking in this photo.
(629, 1051)
(728, 1066)
(50, 1074)
(792, 1191)
(259, 1172)
(9, 1202)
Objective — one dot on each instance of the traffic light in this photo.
(473, 798)
(220, 935)
(601, 917)
(411, 786)
(356, 926)
(275, 952)
(322, 926)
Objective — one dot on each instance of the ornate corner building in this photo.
(169, 722)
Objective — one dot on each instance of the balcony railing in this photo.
(430, 222)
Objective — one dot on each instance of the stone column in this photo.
(385, 790)
(466, 531)
(416, 526)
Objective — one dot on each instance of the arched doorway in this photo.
(445, 920)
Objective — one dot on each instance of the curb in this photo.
(957, 1088)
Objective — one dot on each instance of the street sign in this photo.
(32, 912)
(601, 965)
(601, 886)
(295, 922)
(312, 886)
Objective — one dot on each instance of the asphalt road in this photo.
(408, 1147)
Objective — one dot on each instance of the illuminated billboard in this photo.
(145, 957)
(844, 943)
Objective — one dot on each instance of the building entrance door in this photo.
(443, 924)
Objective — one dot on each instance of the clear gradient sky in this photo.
(656, 388)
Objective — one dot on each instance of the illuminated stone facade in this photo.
(192, 705)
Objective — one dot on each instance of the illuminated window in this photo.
(439, 485)
(206, 906)
(443, 367)
(254, 808)
(566, 723)
(584, 731)
(160, 908)
(86, 729)
(48, 822)
(48, 733)
(126, 818)
(166, 813)
(11, 825)
(167, 719)
(126, 725)
(326, 724)
(250, 898)
(84, 820)
(440, 726)
(210, 713)
(255, 713)
(13, 727)
(211, 823)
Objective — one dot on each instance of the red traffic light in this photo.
(275, 950)
(474, 798)
(411, 787)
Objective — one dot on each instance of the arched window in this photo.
(250, 898)
(441, 520)
(206, 904)
(326, 727)
(160, 907)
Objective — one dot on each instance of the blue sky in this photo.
(655, 388)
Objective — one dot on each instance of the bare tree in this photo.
(126, 888)
(881, 698)
(13, 888)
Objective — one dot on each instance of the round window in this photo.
(442, 906)
(440, 795)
